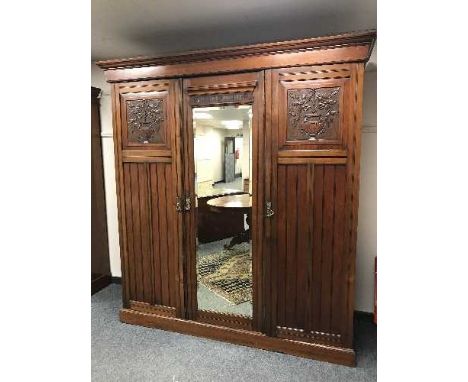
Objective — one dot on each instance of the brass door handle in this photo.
(269, 211)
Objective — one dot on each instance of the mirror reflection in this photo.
(223, 187)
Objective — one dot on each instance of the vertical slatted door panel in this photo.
(311, 139)
(148, 157)
(310, 278)
(165, 263)
(137, 205)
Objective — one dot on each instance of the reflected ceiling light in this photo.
(232, 124)
(197, 115)
(208, 108)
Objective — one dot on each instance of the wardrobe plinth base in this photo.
(341, 356)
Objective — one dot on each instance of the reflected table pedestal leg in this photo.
(242, 237)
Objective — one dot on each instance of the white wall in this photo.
(367, 228)
(367, 218)
(211, 151)
(208, 149)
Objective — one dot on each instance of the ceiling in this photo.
(130, 28)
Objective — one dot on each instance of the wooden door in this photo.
(313, 127)
(147, 133)
(234, 90)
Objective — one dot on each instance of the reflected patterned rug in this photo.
(228, 273)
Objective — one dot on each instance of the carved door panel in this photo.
(145, 117)
(312, 131)
(311, 107)
(149, 178)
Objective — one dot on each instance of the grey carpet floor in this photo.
(122, 352)
(208, 300)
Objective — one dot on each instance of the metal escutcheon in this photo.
(187, 204)
(178, 205)
(269, 211)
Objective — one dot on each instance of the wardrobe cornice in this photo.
(342, 48)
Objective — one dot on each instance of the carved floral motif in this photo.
(145, 119)
(313, 113)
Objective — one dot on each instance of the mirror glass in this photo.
(223, 188)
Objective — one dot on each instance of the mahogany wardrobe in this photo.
(238, 179)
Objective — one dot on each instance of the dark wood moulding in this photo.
(346, 47)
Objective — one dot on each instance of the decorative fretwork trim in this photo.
(314, 75)
(245, 85)
(143, 87)
(302, 335)
(221, 99)
(160, 310)
(224, 319)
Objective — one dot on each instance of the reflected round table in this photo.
(240, 203)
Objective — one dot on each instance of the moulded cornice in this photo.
(325, 42)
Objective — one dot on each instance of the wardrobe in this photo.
(265, 258)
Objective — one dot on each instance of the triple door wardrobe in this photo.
(238, 183)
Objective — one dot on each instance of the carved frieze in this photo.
(221, 98)
(313, 114)
(145, 119)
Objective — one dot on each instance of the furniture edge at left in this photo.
(100, 263)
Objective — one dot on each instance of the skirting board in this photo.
(331, 354)
(116, 280)
(100, 282)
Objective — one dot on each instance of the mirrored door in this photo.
(222, 120)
